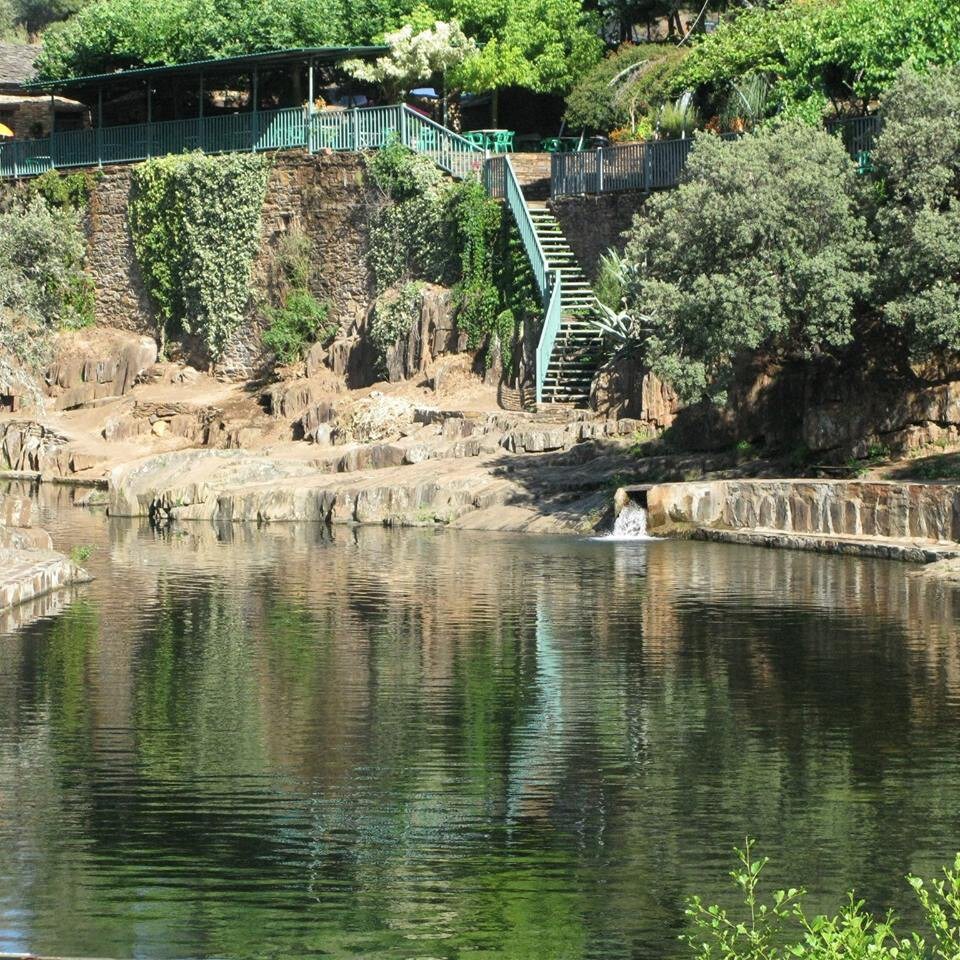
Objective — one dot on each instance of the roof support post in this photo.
(308, 133)
(149, 119)
(100, 126)
(254, 132)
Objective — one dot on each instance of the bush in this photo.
(42, 284)
(761, 247)
(298, 322)
(63, 189)
(782, 928)
(622, 88)
(195, 222)
(917, 222)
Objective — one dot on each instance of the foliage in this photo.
(476, 221)
(70, 190)
(394, 313)
(195, 222)
(42, 284)
(781, 927)
(81, 553)
(623, 87)
(300, 319)
(113, 34)
(542, 45)
(595, 102)
(415, 55)
(762, 246)
(408, 235)
(917, 222)
(640, 131)
(819, 52)
(675, 120)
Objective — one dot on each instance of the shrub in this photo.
(821, 53)
(394, 314)
(761, 247)
(63, 189)
(298, 322)
(622, 88)
(195, 222)
(782, 928)
(42, 284)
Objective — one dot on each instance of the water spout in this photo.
(631, 523)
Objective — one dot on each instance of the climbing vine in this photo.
(394, 313)
(430, 228)
(195, 222)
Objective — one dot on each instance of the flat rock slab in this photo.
(27, 574)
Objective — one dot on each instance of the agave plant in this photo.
(618, 276)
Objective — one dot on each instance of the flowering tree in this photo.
(415, 56)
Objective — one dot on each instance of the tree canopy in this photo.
(761, 247)
(823, 51)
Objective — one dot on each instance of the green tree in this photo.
(917, 223)
(762, 247)
(541, 45)
(825, 52)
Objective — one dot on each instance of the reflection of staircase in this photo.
(578, 348)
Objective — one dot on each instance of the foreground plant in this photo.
(781, 927)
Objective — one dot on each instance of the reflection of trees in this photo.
(412, 743)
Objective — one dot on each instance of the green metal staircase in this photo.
(578, 345)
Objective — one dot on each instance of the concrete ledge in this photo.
(906, 551)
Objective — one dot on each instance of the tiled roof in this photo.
(16, 63)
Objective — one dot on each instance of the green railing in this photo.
(658, 164)
(501, 182)
(365, 128)
(548, 334)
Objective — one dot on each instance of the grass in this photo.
(81, 553)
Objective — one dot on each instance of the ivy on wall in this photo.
(195, 222)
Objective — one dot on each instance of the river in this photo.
(282, 742)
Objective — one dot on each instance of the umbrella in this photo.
(5, 131)
(428, 93)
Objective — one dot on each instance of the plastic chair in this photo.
(427, 140)
(503, 141)
(551, 145)
(476, 138)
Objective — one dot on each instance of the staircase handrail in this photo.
(528, 234)
(548, 334)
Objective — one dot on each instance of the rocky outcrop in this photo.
(835, 508)
(29, 567)
(27, 446)
(96, 365)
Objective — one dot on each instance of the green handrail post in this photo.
(548, 333)
(355, 129)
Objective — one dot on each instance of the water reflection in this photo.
(243, 742)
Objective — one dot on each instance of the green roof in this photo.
(196, 67)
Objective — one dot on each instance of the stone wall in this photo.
(593, 224)
(328, 196)
(850, 508)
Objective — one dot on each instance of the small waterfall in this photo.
(631, 524)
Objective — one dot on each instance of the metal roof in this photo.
(317, 54)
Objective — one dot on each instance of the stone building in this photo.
(27, 113)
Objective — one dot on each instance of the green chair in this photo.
(503, 141)
(552, 145)
(476, 138)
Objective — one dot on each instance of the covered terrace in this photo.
(263, 101)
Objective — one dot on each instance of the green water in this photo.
(431, 744)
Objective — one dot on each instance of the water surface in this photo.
(431, 744)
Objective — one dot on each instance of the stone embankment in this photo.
(29, 566)
(906, 521)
